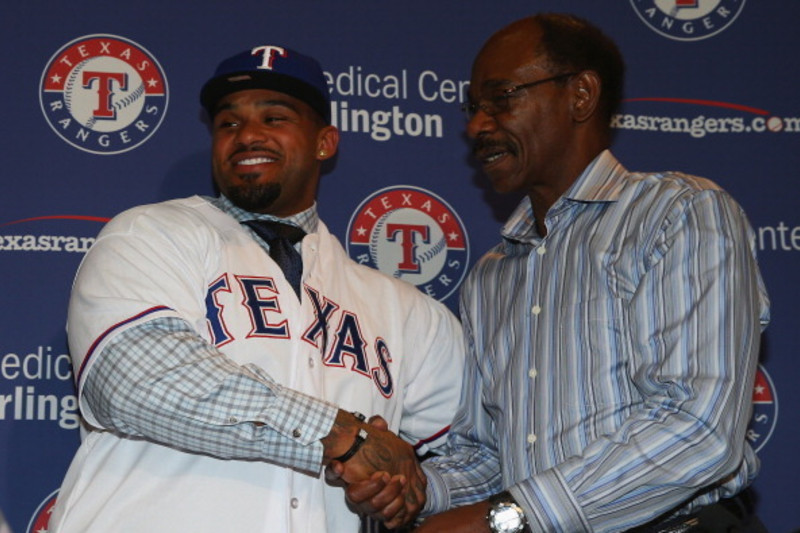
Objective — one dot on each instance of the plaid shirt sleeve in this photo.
(162, 382)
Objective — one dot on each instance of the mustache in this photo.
(254, 148)
(488, 146)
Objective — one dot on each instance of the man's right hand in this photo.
(384, 478)
(383, 498)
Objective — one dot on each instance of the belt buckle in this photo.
(683, 527)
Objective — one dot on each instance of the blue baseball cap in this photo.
(271, 67)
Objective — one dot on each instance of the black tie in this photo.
(281, 239)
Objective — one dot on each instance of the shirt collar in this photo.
(308, 220)
(601, 181)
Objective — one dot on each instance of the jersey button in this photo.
(295, 503)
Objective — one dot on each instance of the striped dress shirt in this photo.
(610, 363)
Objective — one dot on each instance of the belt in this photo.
(731, 514)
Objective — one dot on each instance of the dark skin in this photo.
(551, 131)
(267, 151)
(539, 147)
(396, 498)
(383, 457)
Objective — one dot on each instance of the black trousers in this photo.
(733, 515)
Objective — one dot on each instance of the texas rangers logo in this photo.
(41, 516)
(103, 94)
(765, 410)
(411, 234)
(688, 20)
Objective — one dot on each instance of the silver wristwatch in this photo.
(505, 515)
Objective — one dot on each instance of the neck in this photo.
(549, 191)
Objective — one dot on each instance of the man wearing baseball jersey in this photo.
(215, 385)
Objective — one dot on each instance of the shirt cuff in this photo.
(300, 417)
(437, 497)
(549, 504)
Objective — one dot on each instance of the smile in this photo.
(491, 158)
(489, 151)
(255, 161)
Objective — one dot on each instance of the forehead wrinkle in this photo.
(273, 102)
(521, 77)
(260, 104)
(474, 92)
(503, 74)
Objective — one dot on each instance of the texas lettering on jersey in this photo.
(346, 341)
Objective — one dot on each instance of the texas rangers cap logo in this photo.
(103, 94)
(688, 20)
(411, 234)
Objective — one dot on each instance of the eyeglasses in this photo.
(500, 101)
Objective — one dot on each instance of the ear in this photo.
(586, 87)
(327, 142)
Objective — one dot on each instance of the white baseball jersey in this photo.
(391, 351)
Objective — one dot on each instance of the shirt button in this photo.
(233, 420)
(296, 433)
(536, 309)
(541, 250)
(295, 503)
(531, 438)
(310, 362)
(532, 373)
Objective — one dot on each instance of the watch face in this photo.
(506, 518)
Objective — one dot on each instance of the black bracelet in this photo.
(361, 436)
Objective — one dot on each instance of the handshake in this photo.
(380, 472)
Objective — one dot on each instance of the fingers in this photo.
(381, 497)
(333, 474)
(361, 492)
(378, 422)
(415, 494)
(383, 479)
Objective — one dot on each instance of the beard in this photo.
(254, 198)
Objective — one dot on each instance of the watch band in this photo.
(361, 436)
(499, 506)
(502, 496)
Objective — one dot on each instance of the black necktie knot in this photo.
(272, 229)
(281, 239)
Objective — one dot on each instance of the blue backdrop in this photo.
(711, 90)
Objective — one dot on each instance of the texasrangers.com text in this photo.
(45, 243)
(700, 126)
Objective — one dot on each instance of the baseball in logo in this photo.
(41, 517)
(411, 234)
(103, 94)
(765, 410)
(688, 20)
